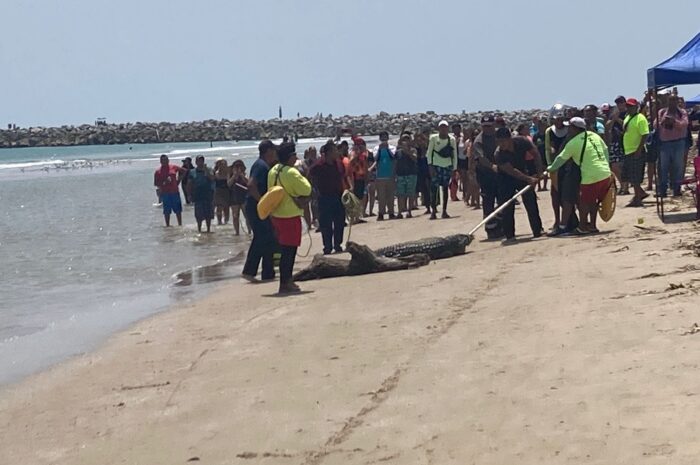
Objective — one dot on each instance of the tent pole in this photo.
(653, 112)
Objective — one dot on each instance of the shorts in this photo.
(554, 177)
(203, 210)
(359, 188)
(462, 164)
(287, 230)
(171, 203)
(633, 168)
(569, 182)
(596, 192)
(652, 154)
(442, 176)
(616, 155)
(406, 185)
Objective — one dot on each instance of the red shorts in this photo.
(287, 230)
(594, 193)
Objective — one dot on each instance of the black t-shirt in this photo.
(486, 145)
(405, 165)
(516, 158)
(327, 178)
(258, 173)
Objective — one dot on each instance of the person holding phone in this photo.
(385, 166)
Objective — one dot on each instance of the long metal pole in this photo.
(500, 209)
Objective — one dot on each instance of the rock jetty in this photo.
(102, 133)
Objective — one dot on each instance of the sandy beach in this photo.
(571, 350)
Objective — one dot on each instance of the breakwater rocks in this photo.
(102, 133)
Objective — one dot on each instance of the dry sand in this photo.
(550, 351)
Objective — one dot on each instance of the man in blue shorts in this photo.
(167, 180)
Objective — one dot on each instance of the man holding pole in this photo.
(510, 158)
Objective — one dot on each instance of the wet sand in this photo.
(575, 350)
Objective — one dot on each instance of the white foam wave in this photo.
(229, 149)
(32, 164)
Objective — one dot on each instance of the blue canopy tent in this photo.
(691, 102)
(681, 68)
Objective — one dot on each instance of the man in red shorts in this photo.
(167, 180)
(590, 154)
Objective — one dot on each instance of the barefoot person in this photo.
(442, 160)
(563, 194)
(237, 183)
(286, 218)
(589, 152)
(262, 247)
(201, 187)
(166, 179)
(222, 195)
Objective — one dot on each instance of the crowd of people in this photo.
(579, 155)
(219, 192)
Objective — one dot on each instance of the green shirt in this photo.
(435, 145)
(595, 167)
(636, 129)
(294, 184)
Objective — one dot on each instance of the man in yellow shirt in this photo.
(635, 130)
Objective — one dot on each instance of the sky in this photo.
(71, 61)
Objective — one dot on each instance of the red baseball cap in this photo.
(633, 102)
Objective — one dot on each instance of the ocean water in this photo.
(85, 253)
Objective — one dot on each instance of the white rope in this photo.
(353, 210)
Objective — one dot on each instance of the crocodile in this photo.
(434, 247)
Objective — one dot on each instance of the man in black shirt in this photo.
(263, 245)
(484, 149)
(510, 158)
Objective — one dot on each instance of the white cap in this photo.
(576, 121)
(443, 123)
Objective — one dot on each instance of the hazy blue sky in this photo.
(71, 61)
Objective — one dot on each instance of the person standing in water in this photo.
(237, 189)
(166, 180)
(222, 196)
(200, 185)
(187, 166)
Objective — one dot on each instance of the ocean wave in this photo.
(232, 148)
(32, 164)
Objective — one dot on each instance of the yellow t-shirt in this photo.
(636, 128)
(294, 184)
